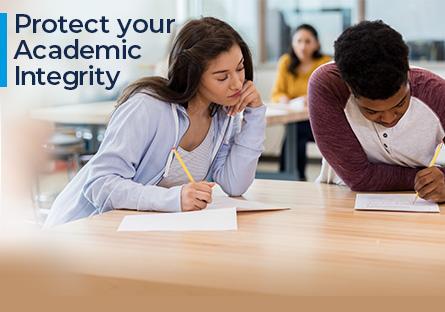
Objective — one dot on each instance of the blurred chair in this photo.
(63, 146)
(67, 148)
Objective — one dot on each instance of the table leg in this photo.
(94, 140)
(290, 167)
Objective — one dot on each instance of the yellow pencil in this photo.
(432, 162)
(181, 162)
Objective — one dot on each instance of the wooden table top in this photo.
(98, 113)
(319, 247)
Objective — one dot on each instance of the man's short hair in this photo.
(372, 59)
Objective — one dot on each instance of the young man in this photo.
(377, 121)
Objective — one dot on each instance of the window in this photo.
(420, 22)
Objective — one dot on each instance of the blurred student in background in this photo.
(294, 70)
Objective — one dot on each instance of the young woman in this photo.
(196, 110)
(294, 70)
(377, 121)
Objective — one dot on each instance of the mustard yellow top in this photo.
(289, 85)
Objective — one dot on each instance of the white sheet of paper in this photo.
(297, 103)
(272, 111)
(394, 202)
(203, 220)
(220, 201)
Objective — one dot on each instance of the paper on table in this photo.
(222, 201)
(203, 220)
(275, 111)
(394, 202)
(296, 104)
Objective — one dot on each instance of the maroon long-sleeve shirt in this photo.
(327, 98)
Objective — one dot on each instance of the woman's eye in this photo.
(240, 69)
(223, 78)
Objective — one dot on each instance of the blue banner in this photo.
(3, 49)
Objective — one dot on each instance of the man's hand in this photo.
(430, 184)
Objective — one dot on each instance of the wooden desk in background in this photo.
(97, 114)
(319, 247)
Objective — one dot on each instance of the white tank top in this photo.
(198, 162)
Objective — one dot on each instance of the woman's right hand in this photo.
(196, 195)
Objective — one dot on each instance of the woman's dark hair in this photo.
(372, 59)
(294, 60)
(198, 42)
